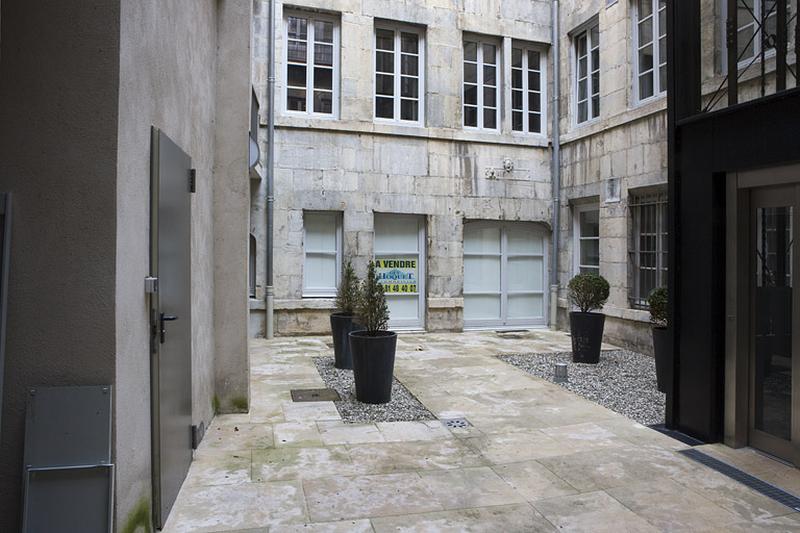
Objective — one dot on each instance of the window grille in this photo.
(648, 253)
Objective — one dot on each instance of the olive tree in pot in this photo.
(587, 292)
(343, 321)
(373, 347)
(657, 301)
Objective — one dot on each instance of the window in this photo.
(481, 84)
(587, 239)
(751, 36)
(399, 63)
(312, 64)
(651, 48)
(526, 90)
(587, 73)
(322, 244)
(648, 245)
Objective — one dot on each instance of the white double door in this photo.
(400, 255)
(504, 274)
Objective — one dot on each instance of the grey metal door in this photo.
(171, 320)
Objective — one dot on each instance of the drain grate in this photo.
(677, 435)
(315, 395)
(456, 423)
(770, 491)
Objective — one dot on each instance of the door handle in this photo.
(163, 330)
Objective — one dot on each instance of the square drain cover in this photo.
(315, 395)
(456, 423)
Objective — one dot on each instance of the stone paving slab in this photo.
(533, 457)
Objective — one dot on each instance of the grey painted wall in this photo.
(231, 207)
(58, 137)
(167, 79)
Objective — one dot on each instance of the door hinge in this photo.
(151, 285)
(192, 180)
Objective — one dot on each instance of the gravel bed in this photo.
(622, 381)
(403, 407)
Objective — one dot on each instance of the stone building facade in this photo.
(441, 175)
(482, 198)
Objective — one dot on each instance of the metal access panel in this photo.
(171, 321)
(68, 475)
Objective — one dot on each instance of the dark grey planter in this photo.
(341, 326)
(587, 336)
(373, 365)
(662, 351)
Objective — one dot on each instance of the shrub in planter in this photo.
(344, 318)
(587, 292)
(662, 351)
(373, 348)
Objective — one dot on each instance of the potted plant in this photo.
(587, 292)
(657, 301)
(373, 348)
(343, 319)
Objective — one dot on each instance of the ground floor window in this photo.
(322, 248)
(648, 245)
(400, 256)
(586, 249)
(504, 274)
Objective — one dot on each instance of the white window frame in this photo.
(592, 114)
(398, 29)
(756, 57)
(542, 69)
(657, 60)
(504, 292)
(421, 254)
(636, 202)
(323, 292)
(309, 88)
(479, 62)
(578, 237)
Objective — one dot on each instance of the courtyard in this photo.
(532, 457)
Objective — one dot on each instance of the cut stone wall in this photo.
(359, 167)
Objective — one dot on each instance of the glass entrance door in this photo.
(774, 355)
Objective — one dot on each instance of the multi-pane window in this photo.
(587, 239)
(651, 48)
(752, 36)
(587, 70)
(322, 248)
(398, 74)
(481, 84)
(311, 64)
(526, 90)
(648, 245)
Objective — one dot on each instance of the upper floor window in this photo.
(587, 73)
(648, 245)
(753, 36)
(526, 90)
(481, 84)
(651, 48)
(312, 64)
(399, 64)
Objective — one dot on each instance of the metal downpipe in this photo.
(270, 290)
(556, 166)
